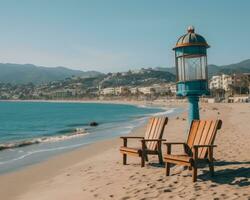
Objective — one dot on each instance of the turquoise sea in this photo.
(37, 130)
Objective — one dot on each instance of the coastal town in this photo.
(223, 87)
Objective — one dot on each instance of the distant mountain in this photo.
(28, 73)
(241, 67)
(171, 70)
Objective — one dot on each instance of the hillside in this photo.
(144, 77)
(241, 67)
(23, 74)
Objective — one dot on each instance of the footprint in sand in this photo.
(213, 185)
(136, 191)
(125, 198)
(167, 190)
(197, 188)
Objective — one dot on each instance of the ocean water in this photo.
(50, 128)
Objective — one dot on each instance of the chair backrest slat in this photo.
(156, 133)
(192, 133)
(155, 130)
(199, 133)
(215, 125)
(149, 127)
(152, 134)
(203, 132)
(205, 135)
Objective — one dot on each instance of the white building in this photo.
(173, 88)
(221, 82)
(108, 91)
(146, 90)
(113, 90)
(133, 90)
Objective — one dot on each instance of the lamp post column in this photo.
(193, 108)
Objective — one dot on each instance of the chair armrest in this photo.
(153, 140)
(199, 146)
(131, 137)
(174, 143)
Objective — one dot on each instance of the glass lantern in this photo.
(191, 64)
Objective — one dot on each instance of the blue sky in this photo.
(117, 35)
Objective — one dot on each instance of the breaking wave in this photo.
(54, 138)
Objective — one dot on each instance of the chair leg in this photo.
(210, 161)
(142, 161)
(211, 167)
(124, 159)
(146, 157)
(194, 173)
(160, 158)
(167, 168)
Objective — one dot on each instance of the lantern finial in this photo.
(190, 29)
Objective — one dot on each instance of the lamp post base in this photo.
(193, 108)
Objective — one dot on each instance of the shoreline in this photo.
(118, 101)
(31, 141)
(72, 142)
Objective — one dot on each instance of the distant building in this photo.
(114, 91)
(108, 91)
(221, 82)
(146, 90)
(239, 99)
(63, 93)
(134, 90)
(172, 88)
(237, 79)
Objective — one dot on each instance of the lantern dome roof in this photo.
(191, 39)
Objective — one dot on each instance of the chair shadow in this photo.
(239, 177)
(157, 165)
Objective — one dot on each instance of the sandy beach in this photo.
(96, 171)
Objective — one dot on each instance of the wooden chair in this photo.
(199, 146)
(150, 144)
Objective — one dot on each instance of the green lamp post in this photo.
(191, 69)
